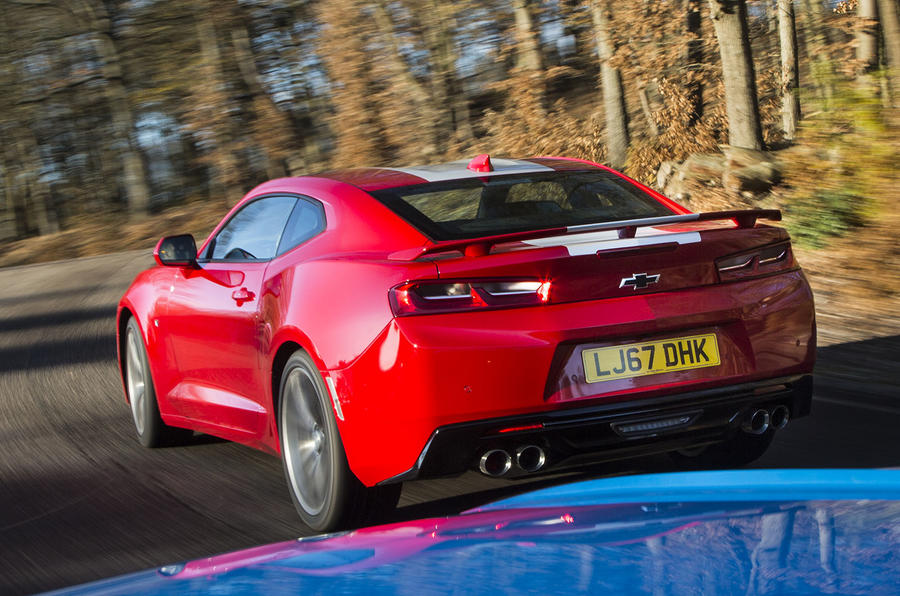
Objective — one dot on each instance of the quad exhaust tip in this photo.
(780, 417)
(495, 463)
(498, 462)
(530, 458)
(757, 423)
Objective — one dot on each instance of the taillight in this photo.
(431, 297)
(756, 263)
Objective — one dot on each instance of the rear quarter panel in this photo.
(330, 294)
(335, 308)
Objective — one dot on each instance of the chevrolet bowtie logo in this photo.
(639, 281)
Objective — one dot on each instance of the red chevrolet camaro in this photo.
(376, 326)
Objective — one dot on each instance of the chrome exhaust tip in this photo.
(757, 423)
(530, 458)
(780, 417)
(495, 463)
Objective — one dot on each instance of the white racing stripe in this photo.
(457, 169)
(585, 244)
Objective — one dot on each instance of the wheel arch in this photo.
(140, 303)
(122, 318)
(289, 342)
(279, 361)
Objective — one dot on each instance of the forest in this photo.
(116, 111)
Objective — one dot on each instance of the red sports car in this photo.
(375, 326)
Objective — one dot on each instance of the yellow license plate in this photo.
(650, 357)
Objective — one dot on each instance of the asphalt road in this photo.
(81, 500)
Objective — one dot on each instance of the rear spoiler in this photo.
(476, 247)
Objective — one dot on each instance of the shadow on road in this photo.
(58, 318)
(67, 295)
(68, 528)
(452, 505)
(46, 354)
(863, 372)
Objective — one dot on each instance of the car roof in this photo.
(370, 179)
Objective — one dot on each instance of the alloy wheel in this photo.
(135, 380)
(305, 443)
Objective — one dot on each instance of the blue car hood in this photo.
(736, 532)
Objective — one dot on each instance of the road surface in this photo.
(81, 500)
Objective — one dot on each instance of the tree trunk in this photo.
(741, 101)
(446, 90)
(818, 43)
(406, 85)
(13, 186)
(314, 116)
(36, 191)
(528, 85)
(645, 108)
(890, 25)
(769, 558)
(358, 136)
(137, 190)
(790, 77)
(276, 139)
(617, 139)
(772, 22)
(528, 49)
(211, 100)
(867, 38)
(694, 59)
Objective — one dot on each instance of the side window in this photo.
(307, 220)
(254, 231)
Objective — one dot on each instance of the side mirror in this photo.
(176, 251)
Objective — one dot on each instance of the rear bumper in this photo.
(602, 433)
(424, 374)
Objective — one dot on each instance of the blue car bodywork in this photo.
(734, 532)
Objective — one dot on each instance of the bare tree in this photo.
(741, 101)
(208, 114)
(344, 51)
(693, 56)
(818, 40)
(136, 187)
(617, 138)
(440, 23)
(867, 37)
(412, 97)
(272, 130)
(790, 77)
(890, 25)
(528, 49)
(92, 18)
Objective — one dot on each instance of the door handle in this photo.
(242, 295)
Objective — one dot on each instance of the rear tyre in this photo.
(151, 430)
(736, 452)
(326, 494)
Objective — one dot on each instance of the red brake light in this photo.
(431, 297)
(543, 292)
(756, 263)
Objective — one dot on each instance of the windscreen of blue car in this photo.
(475, 207)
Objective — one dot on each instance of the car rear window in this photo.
(475, 207)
